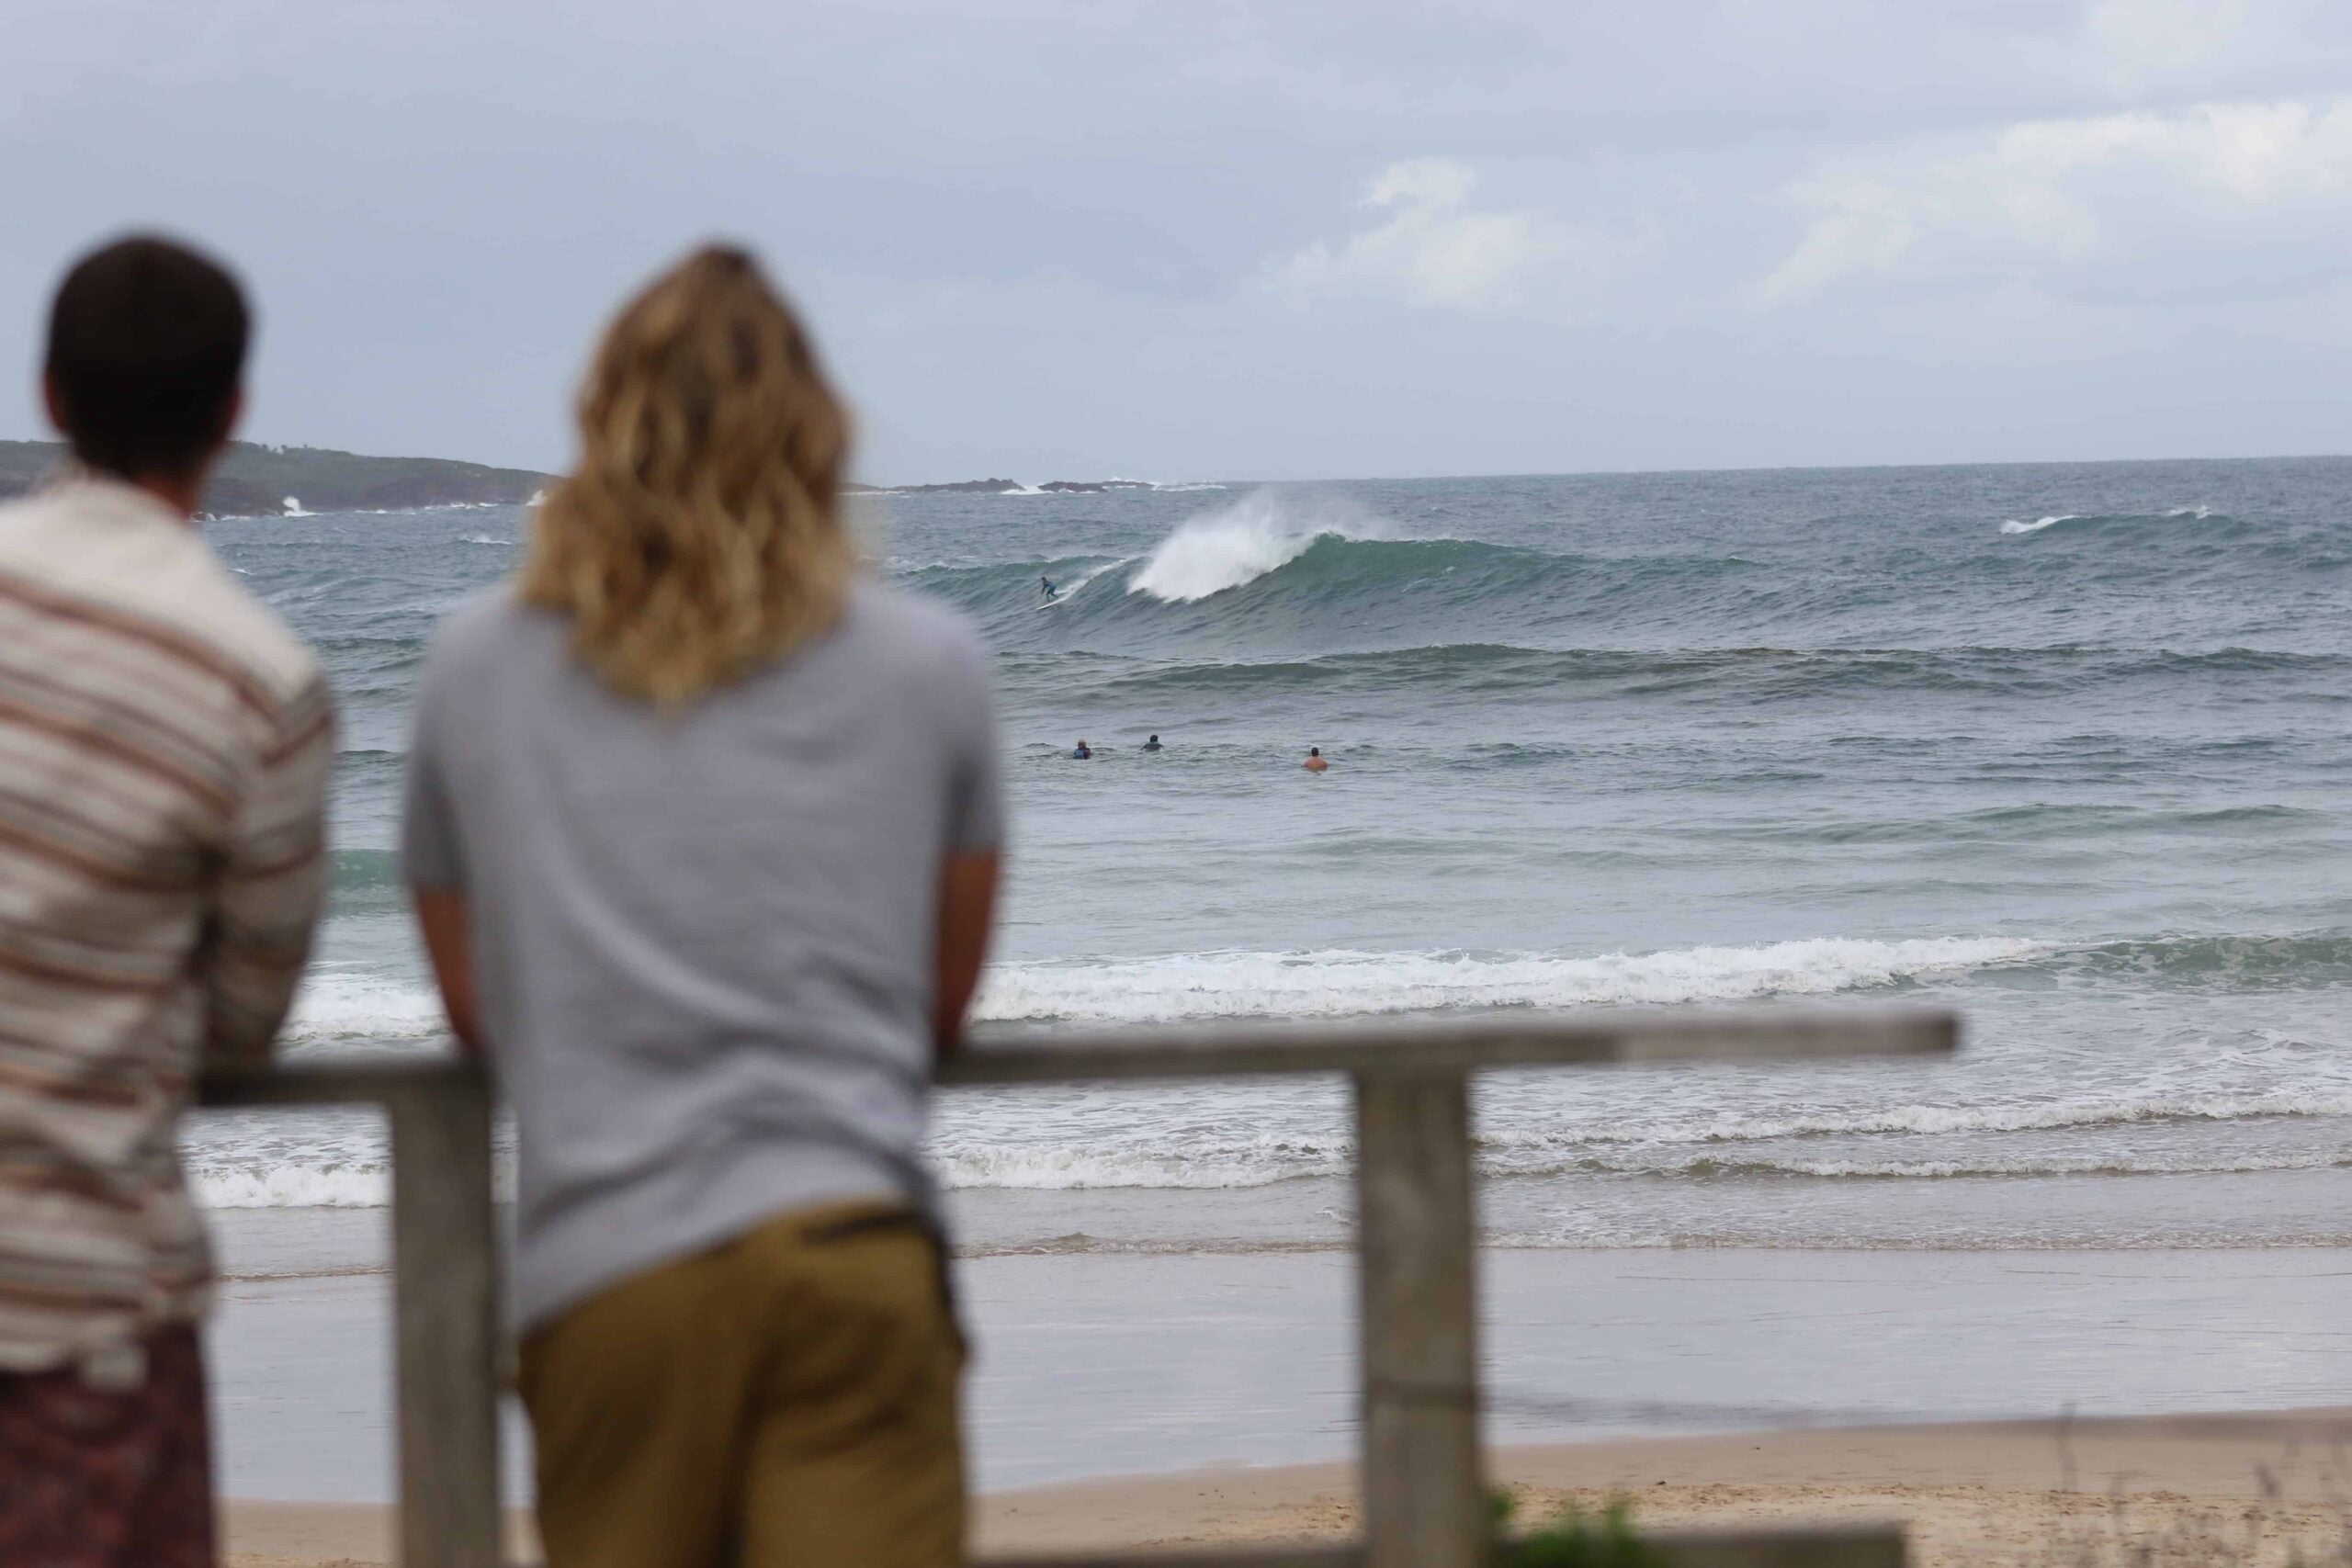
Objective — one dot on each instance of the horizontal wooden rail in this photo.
(1423, 1476)
(1242, 1050)
(1238, 1049)
(1799, 1546)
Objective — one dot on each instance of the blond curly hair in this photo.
(701, 535)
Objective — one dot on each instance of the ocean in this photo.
(2062, 746)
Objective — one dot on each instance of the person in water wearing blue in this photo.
(1152, 744)
(1081, 754)
(1046, 585)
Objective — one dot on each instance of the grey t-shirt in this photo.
(703, 938)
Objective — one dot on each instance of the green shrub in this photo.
(1575, 1539)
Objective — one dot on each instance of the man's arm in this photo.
(273, 883)
(967, 910)
(441, 916)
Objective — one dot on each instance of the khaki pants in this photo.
(787, 1400)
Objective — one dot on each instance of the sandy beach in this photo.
(1089, 1367)
(1204, 1398)
(2020, 1493)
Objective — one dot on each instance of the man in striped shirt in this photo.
(165, 745)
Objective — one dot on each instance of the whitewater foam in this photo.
(344, 1004)
(1332, 983)
(2014, 526)
(1211, 1165)
(347, 1004)
(1263, 531)
(1704, 1166)
(350, 1005)
(295, 1187)
(1929, 1120)
(1202, 1165)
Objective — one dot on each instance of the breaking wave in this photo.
(348, 1005)
(1222, 550)
(343, 1005)
(1333, 984)
(1690, 1148)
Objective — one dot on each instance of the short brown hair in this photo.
(146, 348)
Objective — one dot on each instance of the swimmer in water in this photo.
(1314, 762)
(1083, 754)
(1152, 744)
(1047, 584)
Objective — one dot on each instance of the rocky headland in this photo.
(269, 481)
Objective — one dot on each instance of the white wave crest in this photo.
(351, 1005)
(1936, 1169)
(1762, 1145)
(1201, 1164)
(2015, 526)
(1339, 984)
(295, 1187)
(2027, 1116)
(484, 539)
(1262, 531)
(340, 1004)
(1207, 1164)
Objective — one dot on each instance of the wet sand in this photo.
(1207, 1395)
(1095, 1366)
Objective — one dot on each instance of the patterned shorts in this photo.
(106, 1478)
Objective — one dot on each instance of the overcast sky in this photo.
(1195, 239)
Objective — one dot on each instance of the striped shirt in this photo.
(165, 745)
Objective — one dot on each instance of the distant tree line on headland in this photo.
(258, 482)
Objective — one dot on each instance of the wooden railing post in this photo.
(446, 1326)
(1424, 1491)
(1423, 1479)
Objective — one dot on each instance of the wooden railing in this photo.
(1423, 1479)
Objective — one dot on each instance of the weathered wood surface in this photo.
(1252, 1050)
(1797, 1546)
(375, 1079)
(444, 1289)
(1247, 1050)
(1424, 1493)
(1819, 1546)
(446, 1328)
(1340, 1555)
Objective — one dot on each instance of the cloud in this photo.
(2233, 199)
(2142, 42)
(1428, 244)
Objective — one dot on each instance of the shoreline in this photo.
(1091, 1366)
(2008, 1492)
